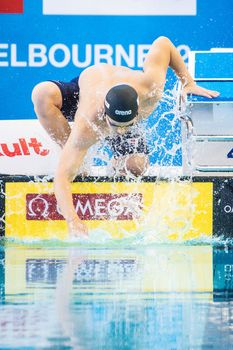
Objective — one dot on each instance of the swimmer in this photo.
(106, 101)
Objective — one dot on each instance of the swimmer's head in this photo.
(121, 105)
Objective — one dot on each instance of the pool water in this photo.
(165, 297)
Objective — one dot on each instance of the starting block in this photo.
(209, 122)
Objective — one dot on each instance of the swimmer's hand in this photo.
(77, 228)
(195, 89)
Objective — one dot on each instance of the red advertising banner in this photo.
(89, 206)
(23, 147)
(11, 6)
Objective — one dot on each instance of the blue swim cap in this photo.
(121, 103)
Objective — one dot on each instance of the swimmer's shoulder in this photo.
(105, 75)
(103, 71)
(93, 75)
(97, 69)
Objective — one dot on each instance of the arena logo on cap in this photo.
(89, 206)
(120, 7)
(123, 112)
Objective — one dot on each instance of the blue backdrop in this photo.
(211, 27)
(36, 47)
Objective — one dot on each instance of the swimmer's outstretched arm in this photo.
(163, 54)
(73, 153)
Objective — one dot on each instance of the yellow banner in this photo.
(173, 210)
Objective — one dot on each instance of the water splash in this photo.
(99, 239)
(162, 131)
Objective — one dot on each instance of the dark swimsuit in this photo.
(70, 97)
(120, 145)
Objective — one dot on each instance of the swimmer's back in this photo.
(103, 76)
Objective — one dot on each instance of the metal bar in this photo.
(213, 138)
(214, 168)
